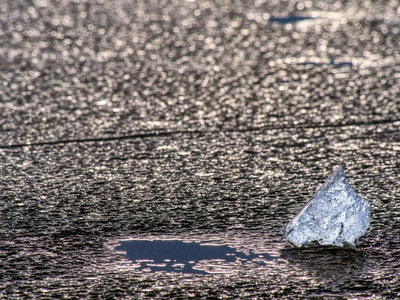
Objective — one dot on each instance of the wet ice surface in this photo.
(206, 257)
(335, 215)
(193, 120)
(62, 236)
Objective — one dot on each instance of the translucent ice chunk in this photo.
(335, 215)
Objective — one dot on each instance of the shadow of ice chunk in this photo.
(335, 215)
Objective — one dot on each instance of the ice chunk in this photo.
(335, 215)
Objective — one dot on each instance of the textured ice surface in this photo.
(335, 215)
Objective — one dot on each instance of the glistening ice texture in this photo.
(335, 215)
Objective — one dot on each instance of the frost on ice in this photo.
(335, 215)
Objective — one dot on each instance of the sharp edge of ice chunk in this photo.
(335, 216)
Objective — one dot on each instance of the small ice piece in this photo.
(335, 215)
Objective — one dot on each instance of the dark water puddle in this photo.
(289, 19)
(331, 63)
(191, 257)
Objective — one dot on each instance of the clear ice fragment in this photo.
(335, 215)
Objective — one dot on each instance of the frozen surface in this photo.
(125, 103)
(335, 215)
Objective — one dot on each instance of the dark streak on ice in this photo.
(289, 19)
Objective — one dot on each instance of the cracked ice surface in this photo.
(335, 215)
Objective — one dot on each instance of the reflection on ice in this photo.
(178, 256)
(326, 262)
